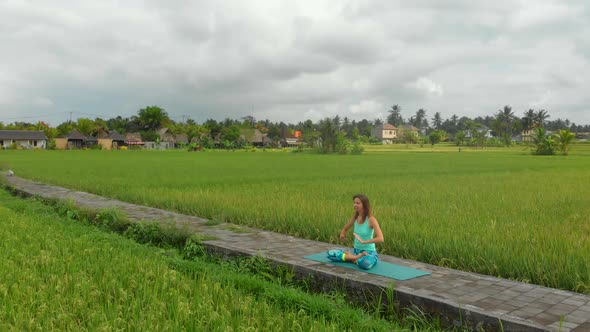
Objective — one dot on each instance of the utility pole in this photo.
(70, 117)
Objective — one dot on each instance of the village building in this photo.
(255, 137)
(134, 140)
(386, 133)
(74, 140)
(23, 138)
(111, 141)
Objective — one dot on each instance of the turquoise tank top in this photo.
(365, 231)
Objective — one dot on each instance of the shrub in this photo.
(543, 144)
(357, 148)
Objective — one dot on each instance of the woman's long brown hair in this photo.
(366, 206)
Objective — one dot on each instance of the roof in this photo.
(115, 136)
(133, 138)
(387, 126)
(75, 135)
(182, 138)
(167, 137)
(253, 135)
(408, 127)
(22, 135)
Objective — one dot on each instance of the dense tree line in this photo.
(329, 134)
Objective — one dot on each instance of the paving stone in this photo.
(545, 319)
(585, 327)
(576, 319)
(576, 303)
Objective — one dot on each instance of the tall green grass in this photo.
(501, 212)
(61, 275)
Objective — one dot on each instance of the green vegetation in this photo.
(496, 211)
(59, 274)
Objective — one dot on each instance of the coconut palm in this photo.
(395, 117)
(543, 144)
(528, 120)
(437, 121)
(504, 123)
(540, 118)
(564, 139)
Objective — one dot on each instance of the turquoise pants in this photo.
(366, 262)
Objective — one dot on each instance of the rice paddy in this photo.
(501, 212)
(59, 274)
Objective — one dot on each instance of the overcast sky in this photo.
(292, 60)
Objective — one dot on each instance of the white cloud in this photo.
(42, 102)
(313, 115)
(427, 86)
(367, 109)
(287, 61)
(535, 13)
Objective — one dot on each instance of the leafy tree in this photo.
(249, 121)
(118, 124)
(153, 118)
(410, 136)
(64, 128)
(564, 138)
(365, 127)
(85, 126)
(437, 136)
(460, 137)
(395, 116)
(231, 133)
(213, 127)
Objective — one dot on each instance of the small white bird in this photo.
(10, 172)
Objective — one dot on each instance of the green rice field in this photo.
(61, 275)
(496, 211)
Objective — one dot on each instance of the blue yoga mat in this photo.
(385, 269)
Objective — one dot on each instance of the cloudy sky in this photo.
(292, 60)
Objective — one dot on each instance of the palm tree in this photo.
(528, 120)
(564, 139)
(437, 121)
(504, 123)
(328, 134)
(420, 121)
(507, 113)
(543, 144)
(460, 137)
(395, 116)
(540, 118)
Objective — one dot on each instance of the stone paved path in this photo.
(478, 301)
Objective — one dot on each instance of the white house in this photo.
(487, 132)
(386, 132)
(24, 138)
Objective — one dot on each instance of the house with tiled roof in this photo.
(386, 133)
